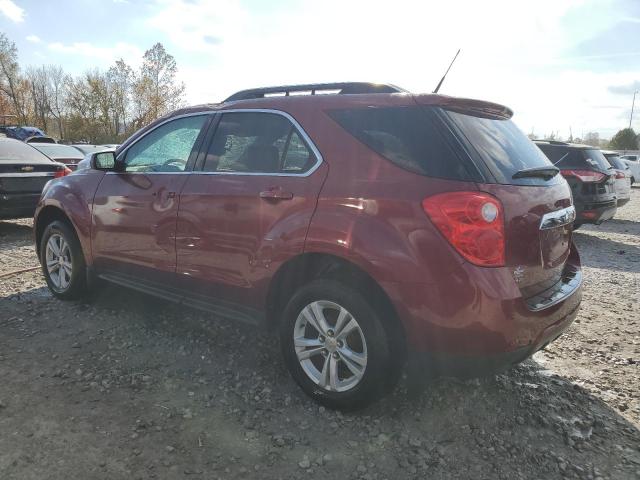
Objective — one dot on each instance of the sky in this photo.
(562, 65)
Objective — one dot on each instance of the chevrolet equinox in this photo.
(367, 225)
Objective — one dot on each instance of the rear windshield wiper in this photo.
(546, 172)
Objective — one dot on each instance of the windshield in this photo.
(59, 151)
(502, 146)
(16, 151)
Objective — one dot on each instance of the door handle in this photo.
(276, 194)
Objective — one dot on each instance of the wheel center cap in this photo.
(331, 344)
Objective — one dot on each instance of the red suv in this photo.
(365, 224)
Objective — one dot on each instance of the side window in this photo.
(298, 158)
(257, 143)
(166, 148)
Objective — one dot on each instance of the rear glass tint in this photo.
(16, 151)
(563, 156)
(615, 162)
(502, 146)
(410, 137)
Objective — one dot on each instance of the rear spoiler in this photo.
(467, 106)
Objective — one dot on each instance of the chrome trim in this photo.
(294, 122)
(558, 218)
(27, 174)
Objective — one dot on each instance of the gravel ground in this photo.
(129, 387)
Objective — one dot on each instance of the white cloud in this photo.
(33, 39)
(512, 52)
(107, 55)
(12, 11)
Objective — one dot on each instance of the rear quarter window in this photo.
(412, 138)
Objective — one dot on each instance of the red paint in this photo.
(227, 235)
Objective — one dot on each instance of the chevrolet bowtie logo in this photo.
(27, 168)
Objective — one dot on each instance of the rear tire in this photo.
(63, 263)
(335, 345)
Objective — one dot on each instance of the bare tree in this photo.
(57, 82)
(11, 84)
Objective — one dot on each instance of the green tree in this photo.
(12, 86)
(625, 139)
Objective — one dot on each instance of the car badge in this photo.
(27, 168)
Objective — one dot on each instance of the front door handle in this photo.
(276, 194)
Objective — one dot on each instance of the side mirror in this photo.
(103, 160)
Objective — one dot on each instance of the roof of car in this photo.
(249, 99)
(565, 144)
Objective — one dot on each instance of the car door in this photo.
(247, 207)
(135, 209)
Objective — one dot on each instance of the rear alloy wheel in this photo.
(335, 345)
(62, 261)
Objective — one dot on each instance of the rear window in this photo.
(58, 151)
(502, 146)
(16, 151)
(565, 157)
(410, 137)
(615, 162)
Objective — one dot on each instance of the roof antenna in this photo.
(445, 73)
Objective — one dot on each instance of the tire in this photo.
(69, 287)
(356, 382)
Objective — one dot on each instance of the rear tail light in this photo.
(620, 175)
(62, 172)
(584, 175)
(472, 222)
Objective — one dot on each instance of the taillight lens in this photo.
(584, 175)
(62, 172)
(620, 175)
(472, 222)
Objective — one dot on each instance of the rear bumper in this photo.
(18, 205)
(623, 201)
(478, 321)
(595, 212)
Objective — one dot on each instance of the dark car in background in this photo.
(590, 176)
(61, 153)
(363, 226)
(24, 171)
(623, 176)
(21, 133)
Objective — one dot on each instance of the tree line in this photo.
(98, 106)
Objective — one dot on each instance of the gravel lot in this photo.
(130, 387)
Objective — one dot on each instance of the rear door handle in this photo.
(276, 194)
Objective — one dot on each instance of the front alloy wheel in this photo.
(63, 263)
(58, 262)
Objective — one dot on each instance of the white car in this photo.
(634, 165)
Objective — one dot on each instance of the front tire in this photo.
(62, 261)
(335, 345)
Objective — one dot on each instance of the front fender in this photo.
(73, 195)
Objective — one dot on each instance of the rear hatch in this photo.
(23, 169)
(536, 201)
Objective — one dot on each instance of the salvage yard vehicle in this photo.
(61, 153)
(590, 176)
(366, 225)
(622, 176)
(633, 162)
(24, 171)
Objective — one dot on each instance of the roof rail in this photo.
(314, 88)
